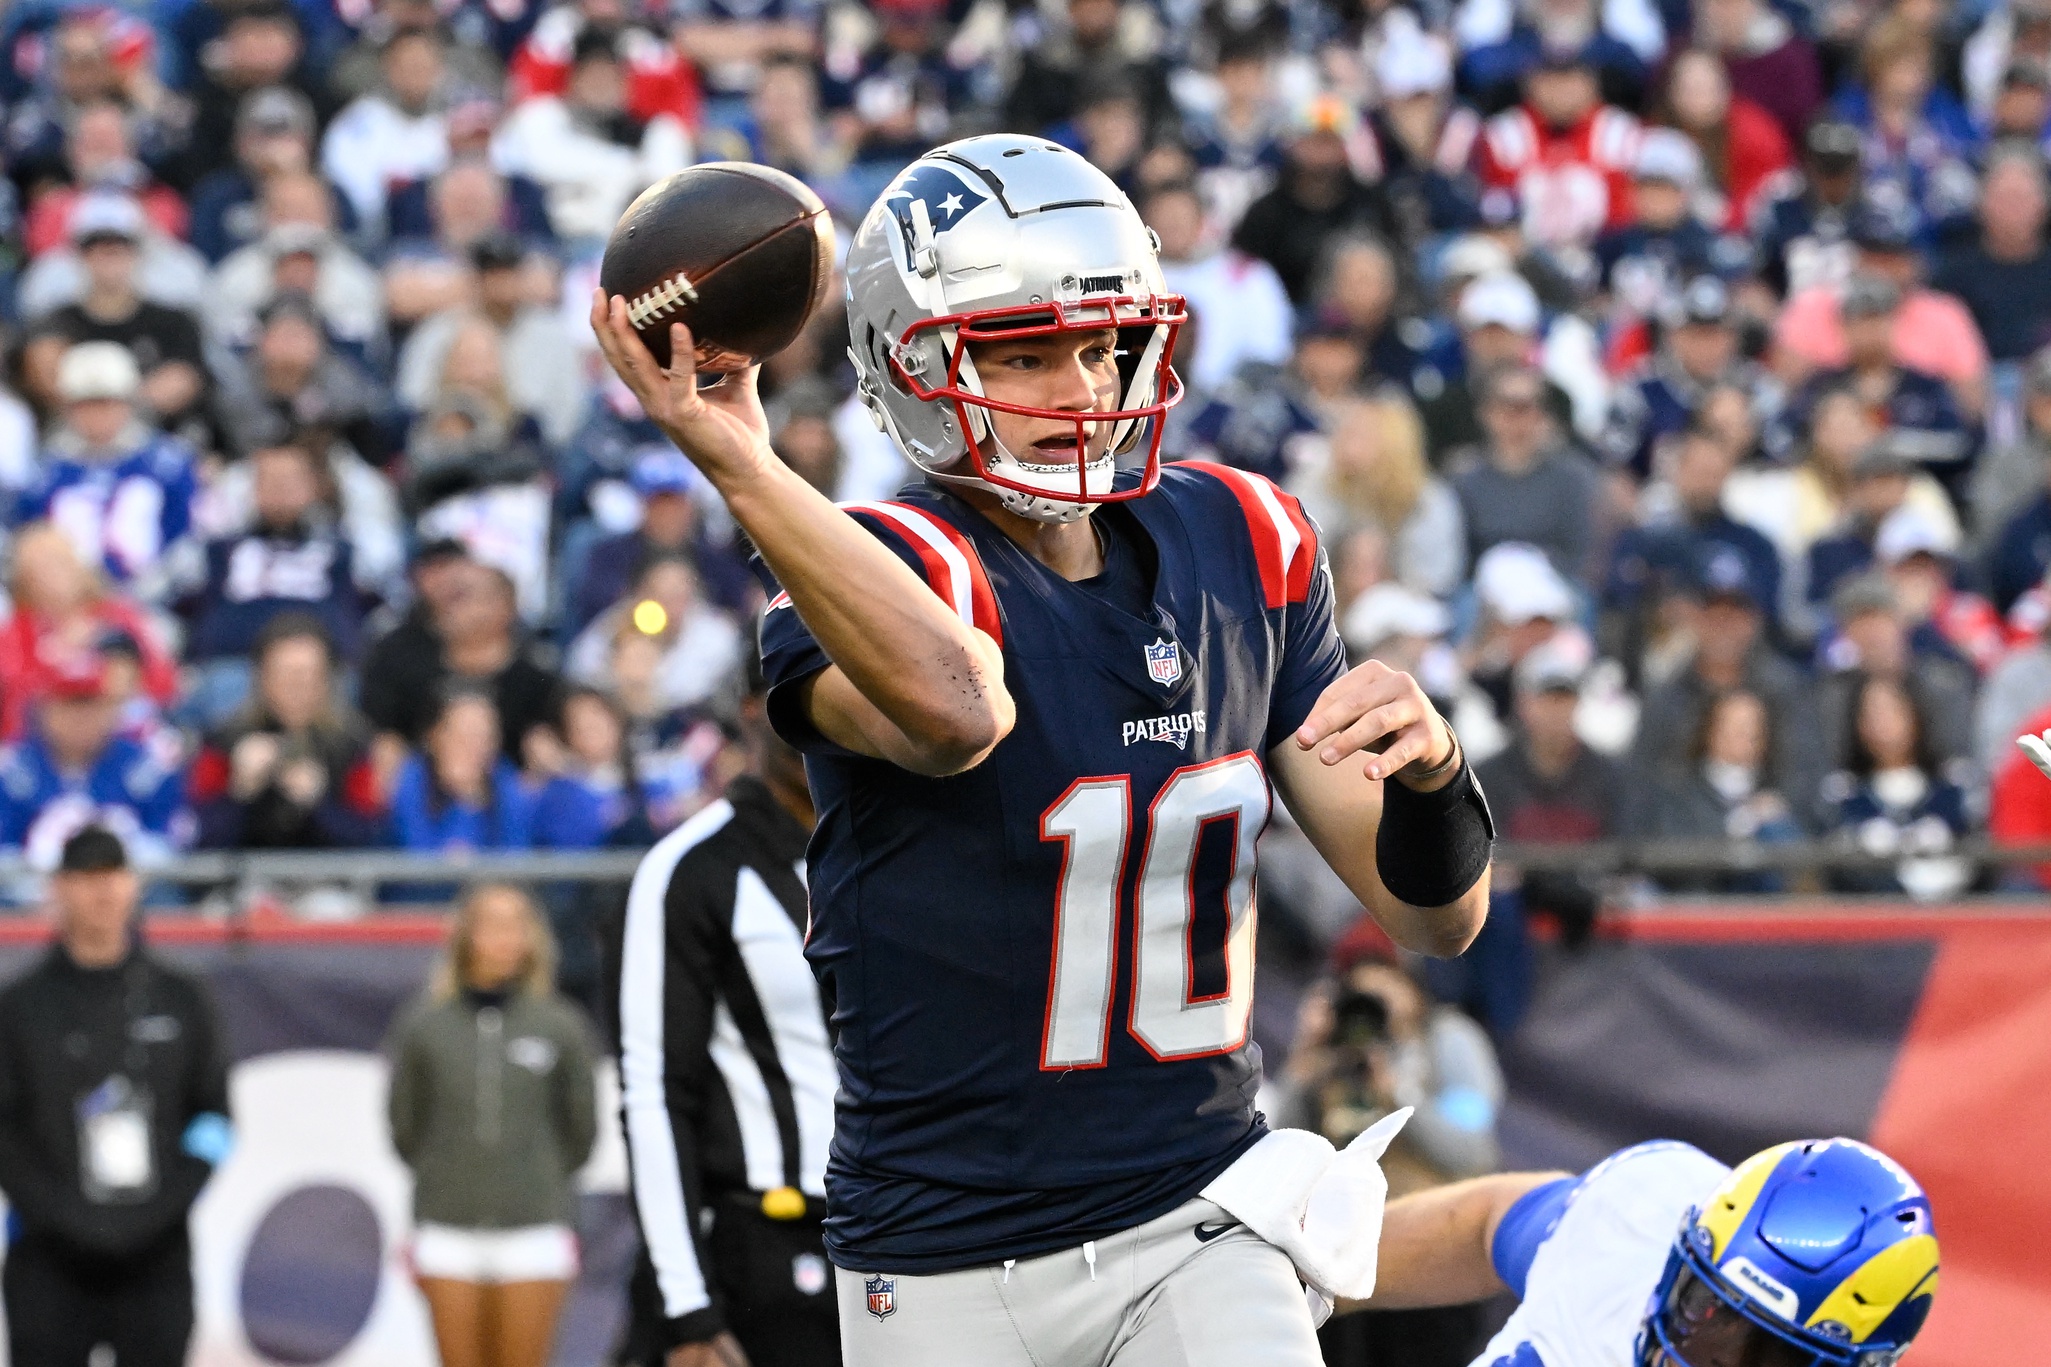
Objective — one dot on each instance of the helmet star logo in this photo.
(951, 205)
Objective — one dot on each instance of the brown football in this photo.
(741, 254)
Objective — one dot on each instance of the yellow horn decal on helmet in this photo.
(1725, 1211)
(1879, 1286)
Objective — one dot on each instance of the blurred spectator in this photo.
(1663, 243)
(1728, 654)
(1373, 474)
(105, 1141)
(739, 46)
(298, 253)
(1884, 480)
(460, 792)
(100, 160)
(84, 56)
(1524, 603)
(1563, 153)
(1358, 289)
(1932, 331)
(167, 271)
(1558, 31)
(436, 226)
(1802, 235)
(470, 638)
(1237, 140)
(1684, 524)
(2011, 38)
(291, 769)
(1727, 792)
(397, 132)
(1916, 131)
(657, 82)
(1549, 788)
(699, 647)
(1768, 60)
(2020, 547)
(493, 1109)
(1873, 640)
(1892, 797)
(289, 561)
(75, 769)
(164, 342)
(1742, 146)
(121, 490)
(592, 793)
(1525, 485)
(477, 465)
(1424, 139)
(1101, 42)
(273, 137)
(292, 379)
(260, 45)
(590, 147)
(1499, 319)
(543, 375)
(1698, 351)
(60, 612)
(671, 527)
(1319, 196)
(1371, 1041)
(2005, 277)
(1240, 295)
(782, 126)
(1942, 618)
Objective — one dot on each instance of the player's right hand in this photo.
(2038, 748)
(722, 429)
(722, 1350)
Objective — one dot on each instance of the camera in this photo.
(1359, 1018)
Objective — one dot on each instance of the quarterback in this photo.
(1046, 696)
(1816, 1254)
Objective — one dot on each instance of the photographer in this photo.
(1370, 1041)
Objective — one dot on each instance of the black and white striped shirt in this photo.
(726, 1072)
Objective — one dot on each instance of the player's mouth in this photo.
(1055, 454)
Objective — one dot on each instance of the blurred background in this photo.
(1668, 377)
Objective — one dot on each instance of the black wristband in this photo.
(1432, 847)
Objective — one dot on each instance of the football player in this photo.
(1046, 696)
(1816, 1254)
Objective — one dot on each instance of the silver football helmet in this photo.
(1002, 237)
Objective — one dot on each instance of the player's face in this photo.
(1075, 372)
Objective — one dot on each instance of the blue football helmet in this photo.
(1814, 1254)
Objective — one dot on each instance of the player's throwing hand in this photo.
(2038, 748)
(1383, 711)
(722, 429)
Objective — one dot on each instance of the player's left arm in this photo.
(1406, 814)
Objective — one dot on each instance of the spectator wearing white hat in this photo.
(119, 489)
(167, 271)
(1499, 319)
(1526, 485)
(1918, 555)
(1645, 261)
(1423, 138)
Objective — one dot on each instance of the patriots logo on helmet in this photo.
(947, 196)
(882, 1296)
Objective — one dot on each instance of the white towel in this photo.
(1320, 1206)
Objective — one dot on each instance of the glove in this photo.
(2038, 748)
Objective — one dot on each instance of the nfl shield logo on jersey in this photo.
(1164, 662)
(882, 1296)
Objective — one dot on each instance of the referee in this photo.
(727, 1080)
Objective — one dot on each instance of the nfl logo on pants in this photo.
(882, 1296)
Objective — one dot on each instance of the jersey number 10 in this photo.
(1093, 820)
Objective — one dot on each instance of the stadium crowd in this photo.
(1669, 381)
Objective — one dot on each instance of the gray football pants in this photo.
(1157, 1296)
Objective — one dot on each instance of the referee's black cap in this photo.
(94, 849)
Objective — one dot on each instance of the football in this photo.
(741, 254)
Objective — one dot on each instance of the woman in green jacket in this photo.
(493, 1110)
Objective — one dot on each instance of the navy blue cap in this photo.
(1884, 227)
(1723, 575)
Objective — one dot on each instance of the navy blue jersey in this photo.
(1041, 970)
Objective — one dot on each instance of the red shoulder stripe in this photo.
(1284, 542)
(952, 567)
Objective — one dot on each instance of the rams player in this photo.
(1817, 1254)
(1046, 696)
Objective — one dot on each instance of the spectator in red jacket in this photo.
(1743, 148)
(61, 610)
(1565, 154)
(659, 81)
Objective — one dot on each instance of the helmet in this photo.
(1816, 1254)
(1008, 237)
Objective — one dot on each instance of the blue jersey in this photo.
(135, 788)
(122, 513)
(1041, 970)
